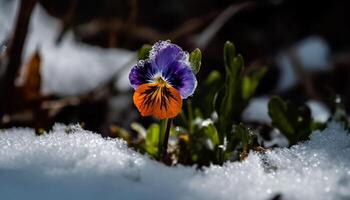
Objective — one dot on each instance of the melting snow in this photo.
(82, 165)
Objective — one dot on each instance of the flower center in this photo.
(160, 81)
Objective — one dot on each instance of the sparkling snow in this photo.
(72, 163)
(82, 165)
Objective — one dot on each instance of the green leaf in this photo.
(211, 132)
(151, 144)
(237, 66)
(229, 103)
(213, 78)
(229, 54)
(232, 98)
(195, 60)
(144, 52)
(152, 134)
(197, 113)
(251, 82)
(119, 132)
(139, 129)
(293, 121)
(278, 114)
(244, 135)
(204, 99)
(339, 113)
(317, 126)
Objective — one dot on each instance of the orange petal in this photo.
(160, 100)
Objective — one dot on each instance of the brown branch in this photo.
(192, 25)
(14, 53)
(146, 33)
(133, 13)
(67, 20)
(208, 34)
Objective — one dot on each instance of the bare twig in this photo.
(146, 33)
(14, 53)
(67, 19)
(208, 34)
(133, 13)
(193, 25)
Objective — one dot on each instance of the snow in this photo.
(319, 111)
(277, 139)
(7, 17)
(71, 163)
(314, 56)
(314, 53)
(257, 110)
(70, 67)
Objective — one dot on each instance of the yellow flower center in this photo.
(161, 82)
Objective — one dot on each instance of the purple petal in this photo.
(164, 53)
(181, 77)
(142, 73)
(169, 61)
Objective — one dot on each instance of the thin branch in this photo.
(208, 34)
(14, 53)
(67, 19)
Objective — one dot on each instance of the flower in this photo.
(162, 81)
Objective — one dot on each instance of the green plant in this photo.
(235, 95)
(295, 122)
(205, 131)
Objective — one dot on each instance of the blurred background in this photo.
(68, 60)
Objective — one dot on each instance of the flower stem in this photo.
(190, 116)
(164, 149)
(162, 128)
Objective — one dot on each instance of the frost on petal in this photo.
(165, 53)
(181, 77)
(171, 63)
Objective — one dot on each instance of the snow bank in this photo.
(82, 165)
(70, 67)
(7, 17)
